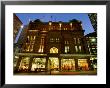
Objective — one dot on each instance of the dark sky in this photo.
(65, 17)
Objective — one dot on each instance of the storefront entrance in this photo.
(53, 63)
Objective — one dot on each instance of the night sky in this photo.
(65, 17)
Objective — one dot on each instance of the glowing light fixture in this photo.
(22, 26)
(93, 40)
(50, 23)
(60, 24)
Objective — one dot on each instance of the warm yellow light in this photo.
(93, 40)
(16, 57)
(71, 24)
(53, 50)
(60, 24)
(50, 23)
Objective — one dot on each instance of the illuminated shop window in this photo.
(53, 50)
(24, 64)
(82, 64)
(66, 49)
(38, 64)
(53, 63)
(68, 64)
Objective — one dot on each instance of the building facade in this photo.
(16, 26)
(91, 39)
(59, 46)
(93, 19)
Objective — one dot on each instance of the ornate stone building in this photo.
(17, 25)
(59, 46)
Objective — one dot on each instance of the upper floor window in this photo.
(53, 50)
(29, 47)
(66, 49)
(41, 49)
(42, 40)
(79, 41)
(75, 40)
(54, 39)
(93, 40)
(76, 48)
(51, 40)
(57, 39)
(31, 39)
(66, 42)
(80, 48)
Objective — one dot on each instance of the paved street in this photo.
(61, 73)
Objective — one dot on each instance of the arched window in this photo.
(53, 50)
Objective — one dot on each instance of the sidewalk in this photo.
(61, 73)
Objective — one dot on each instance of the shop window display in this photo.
(82, 64)
(53, 63)
(24, 64)
(38, 64)
(68, 64)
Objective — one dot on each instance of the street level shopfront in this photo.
(30, 62)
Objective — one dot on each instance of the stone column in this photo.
(18, 63)
(59, 64)
(30, 64)
(89, 63)
(76, 64)
(46, 64)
